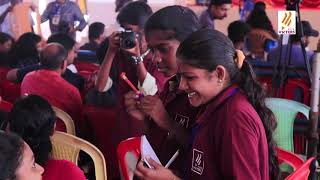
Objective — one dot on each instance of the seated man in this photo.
(73, 78)
(48, 83)
(296, 52)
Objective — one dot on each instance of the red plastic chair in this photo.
(128, 153)
(289, 158)
(303, 172)
(294, 84)
(86, 66)
(10, 91)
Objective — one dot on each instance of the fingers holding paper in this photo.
(157, 173)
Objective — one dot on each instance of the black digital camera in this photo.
(127, 39)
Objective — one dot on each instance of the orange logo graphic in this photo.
(286, 21)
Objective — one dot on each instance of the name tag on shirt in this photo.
(56, 20)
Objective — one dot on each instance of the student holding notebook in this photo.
(168, 116)
(232, 138)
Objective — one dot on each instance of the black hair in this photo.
(237, 30)
(64, 27)
(206, 49)
(4, 37)
(258, 19)
(66, 41)
(11, 155)
(219, 2)
(52, 56)
(134, 13)
(121, 3)
(24, 48)
(176, 22)
(96, 29)
(33, 118)
(260, 5)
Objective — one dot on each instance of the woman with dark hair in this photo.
(170, 111)
(16, 159)
(232, 138)
(6, 42)
(33, 119)
(25, 50)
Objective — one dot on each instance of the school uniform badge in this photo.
(197, 162)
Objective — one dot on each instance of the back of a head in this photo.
(259, 6)
(53, 56)
(33, 119)
(26, 46)
(237, 30)
(4, 37)
(96, 29)
(258, 18)
(206, 49)
(66, 41)
(134, 13)
(176, 22)
(219, 2)
(11, 152)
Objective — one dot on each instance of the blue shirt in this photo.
(206, 20)
(296, 55)
(69, 12)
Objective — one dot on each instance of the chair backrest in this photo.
(285, 112)
(303, 172)
(128, 153)
(67, 147)
(10, 91)
(66, 119)
(290, 158)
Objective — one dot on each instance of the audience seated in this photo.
(6, 42)
(296, 55)
(73, 78)
(33, 119)
(17, 160)
(48, 83)
(25, 51)
(237, 31)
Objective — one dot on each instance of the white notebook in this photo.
(147, 151)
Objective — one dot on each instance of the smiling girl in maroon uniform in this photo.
(232, 138)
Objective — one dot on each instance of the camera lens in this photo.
(128, 39)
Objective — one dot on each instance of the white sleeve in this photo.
(108, 84)
(149, 85)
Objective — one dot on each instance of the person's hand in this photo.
(158, 173)
(72, 30)
(131, 100)
(114, 42)
(33, 7)
(153, 106)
